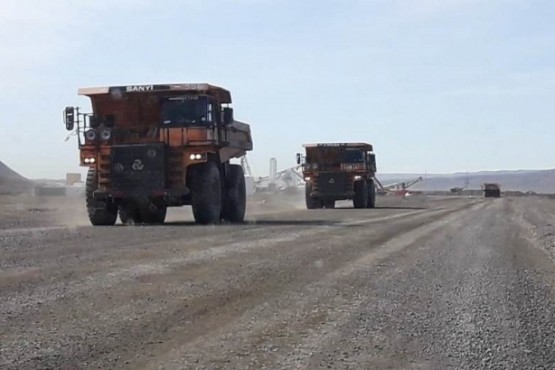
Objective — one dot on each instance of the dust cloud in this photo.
(30, 211)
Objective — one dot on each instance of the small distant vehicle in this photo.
(491, 190)
(339, 171)
(149, 147)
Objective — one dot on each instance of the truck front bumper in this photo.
(166, 194)
(332, 195)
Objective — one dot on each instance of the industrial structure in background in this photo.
(289, 180)
(73, 179)
(73, 186)
(397, 188)
(491, 190)
(457, 190)
(250, 187)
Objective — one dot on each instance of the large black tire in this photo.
(329, 203)
(129, 214)
(235, 203)
(154, 214)
(311, 203)
(101, 213)
(206, 197)
(360, 200)
(371, 194)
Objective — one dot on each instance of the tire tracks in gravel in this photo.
(307, 315)
(261, 295)
(199, 292)
(69, 245)
(129, 266)
(538, 222)
(388, 326)
(481, 301)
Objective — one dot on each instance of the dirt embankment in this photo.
(11, 182)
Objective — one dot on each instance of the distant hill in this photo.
(11, 182)
(539, 181)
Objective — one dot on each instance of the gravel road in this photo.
(419, 283)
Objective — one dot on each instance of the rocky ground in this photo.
(418, 283)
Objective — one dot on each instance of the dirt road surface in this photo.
(421, 283)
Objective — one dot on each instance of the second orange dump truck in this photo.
(339, 171)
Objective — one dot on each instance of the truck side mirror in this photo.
(69, 118)
(228, 116)
(298, 158)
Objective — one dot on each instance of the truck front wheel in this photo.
(236, 195)
(311, 203)
(371, 194)
(101, 212)
(206, 197)
(360, 199)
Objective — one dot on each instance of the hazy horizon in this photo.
(388, 174)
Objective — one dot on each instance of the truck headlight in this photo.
(196, 156)
(106, 134)
(90, 135)
(89, 160)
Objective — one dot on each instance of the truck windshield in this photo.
(352, 156)
(334, 156)
(185, 110)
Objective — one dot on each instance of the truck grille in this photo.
(139, 167)
(333, 183)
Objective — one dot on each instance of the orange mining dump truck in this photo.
(339, 171)
(491, 190)
(149, 147)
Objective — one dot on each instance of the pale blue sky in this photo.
(435, 85)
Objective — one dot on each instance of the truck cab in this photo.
(339, 171)
(149, 147)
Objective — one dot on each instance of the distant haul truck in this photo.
(491, 190)
(149, 147)
(339, 171)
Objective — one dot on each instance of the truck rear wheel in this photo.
(206, 197)
(311, 203)
(371, 194)
(236, 195)
(360, 199)
(101, 212)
